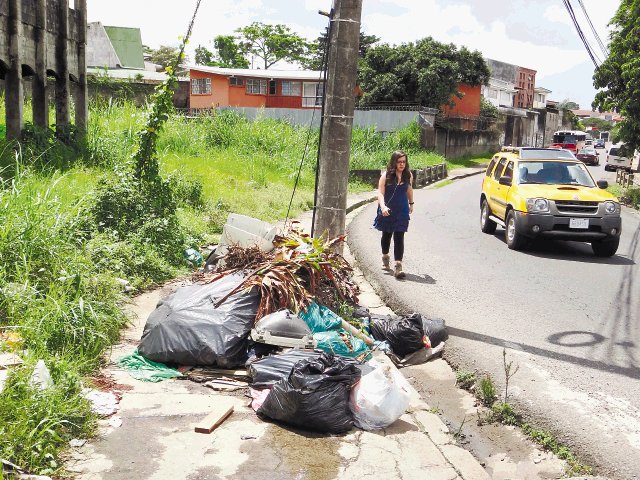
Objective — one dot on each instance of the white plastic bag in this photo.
(380, 398)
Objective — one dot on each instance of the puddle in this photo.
(291, 454)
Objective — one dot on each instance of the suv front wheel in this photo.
(514, 239)
(486, 224)
(605, 248)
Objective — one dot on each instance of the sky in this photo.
(536, 34)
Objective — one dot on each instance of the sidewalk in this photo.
(156, 439)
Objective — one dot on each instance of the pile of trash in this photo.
(273, 312)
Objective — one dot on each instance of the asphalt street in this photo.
(566, 317)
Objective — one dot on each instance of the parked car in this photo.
(548, 193)
(599, 143)
(588, 156)
(618, 157)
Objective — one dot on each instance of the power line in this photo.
(590, 51)
(603, 48)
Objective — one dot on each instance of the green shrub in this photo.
(487, 391)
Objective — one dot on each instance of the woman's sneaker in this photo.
(398, 273)
(385, 262)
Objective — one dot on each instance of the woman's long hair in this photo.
(391, 168)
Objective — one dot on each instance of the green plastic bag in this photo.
(146, 370)
(320, 318)
(332, 342)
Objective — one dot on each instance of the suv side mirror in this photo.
(603, 184)
(505, 180)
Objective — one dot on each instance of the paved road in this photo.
(569, 319)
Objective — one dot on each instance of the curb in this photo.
(466, 466)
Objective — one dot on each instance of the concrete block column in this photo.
(62, 81)
(40, 102)
(14, 88)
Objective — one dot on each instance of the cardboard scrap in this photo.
(215, 418)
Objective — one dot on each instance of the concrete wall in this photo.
(28, 53)
(382, 120)
(461, 143)
(503, 71)
(100, 51)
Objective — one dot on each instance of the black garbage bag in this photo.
(315, 396)
(187, 329)
(404, 333)
(435, 329)
(269, 370)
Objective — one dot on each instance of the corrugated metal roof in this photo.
(127, 42)
(269, 74)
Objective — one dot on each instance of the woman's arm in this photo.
(410, 193)
(381, 186)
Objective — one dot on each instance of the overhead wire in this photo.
(601, 44)
(322, 76)
(583, 38)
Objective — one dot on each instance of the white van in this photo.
(617, 158)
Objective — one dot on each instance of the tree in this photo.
(315, 52)
(166, 55)
(488, 109)
(272, 43)
(228, 53)
(619, 74)
(425, 72)
(599, 123)
(204, 57)
(567, 104)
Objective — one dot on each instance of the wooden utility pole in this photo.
(337, 121)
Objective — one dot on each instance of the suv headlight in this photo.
(537, 205)
(611, 208)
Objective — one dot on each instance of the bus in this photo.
(572, 140)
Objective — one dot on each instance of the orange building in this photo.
(525, 86)
(213, 87)
(468, 105)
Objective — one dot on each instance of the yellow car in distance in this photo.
(548, 193)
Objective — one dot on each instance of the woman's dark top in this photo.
(396, 198)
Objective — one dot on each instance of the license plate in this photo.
(578, 223)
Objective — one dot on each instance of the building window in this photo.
(272, 87)
(291, 89)
(493, 93)
(236, 81)
(201, 86)
(312, 94)
(257, 86)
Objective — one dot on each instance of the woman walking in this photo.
(395, 204)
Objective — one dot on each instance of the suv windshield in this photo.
(554, 173)
(545, 153)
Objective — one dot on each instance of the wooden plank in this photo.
(215, 418)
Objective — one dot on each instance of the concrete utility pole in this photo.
(337, 121)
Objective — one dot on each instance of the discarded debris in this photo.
(225, 385)
(9, 360)
(102, 403)
(299, 270)
(215, 418)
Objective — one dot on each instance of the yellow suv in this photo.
(548, 193)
